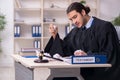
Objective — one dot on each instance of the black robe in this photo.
(100, 38)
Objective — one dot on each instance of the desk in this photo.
(26, 69)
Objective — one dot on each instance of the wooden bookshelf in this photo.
(27, 15)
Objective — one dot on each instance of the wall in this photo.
(108, 10)
(6, 7)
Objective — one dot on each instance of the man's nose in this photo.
(74, 21)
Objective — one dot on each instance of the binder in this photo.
(37, 44)
(96, 59)
(33, 31)
(36, 31)
(67, 29)
(39, 31)
(17, 31)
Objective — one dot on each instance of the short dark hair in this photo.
(78, 7)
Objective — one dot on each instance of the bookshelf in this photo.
(41, 13)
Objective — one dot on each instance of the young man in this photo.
(91, 36)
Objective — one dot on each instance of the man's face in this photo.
(76, 18)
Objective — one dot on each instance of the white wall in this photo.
(6, 7)
(108, 10)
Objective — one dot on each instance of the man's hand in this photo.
(80, 53)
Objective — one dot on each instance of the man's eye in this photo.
(74, 16)
(71, 19)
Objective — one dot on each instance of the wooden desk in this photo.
(26, 69)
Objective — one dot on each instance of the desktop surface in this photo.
(29, 62)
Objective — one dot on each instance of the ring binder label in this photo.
(96, 59)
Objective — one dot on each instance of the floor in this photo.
(6, 67)
(7, 73)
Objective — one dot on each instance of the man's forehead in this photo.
(72, 13)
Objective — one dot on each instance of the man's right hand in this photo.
(53, 30)
(80, 53)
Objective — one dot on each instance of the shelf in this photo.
(47, 23)
(26, 38)
(27, 3)
(55, 3)
(21, 23)
(27, 23)
(54, 9)
(46, 37)
(27, 9)
(28, 15)
(29, 12)
(30, 0)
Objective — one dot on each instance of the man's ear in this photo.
(83, 12)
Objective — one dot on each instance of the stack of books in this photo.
(28, 51)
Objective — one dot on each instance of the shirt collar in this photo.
(89, 23)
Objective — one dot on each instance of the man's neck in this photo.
(87, 17)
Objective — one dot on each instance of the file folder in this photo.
(36, 31)
(67, 29)
(37, 44)
(17, 31)
(96, 59)
(39, 31)
(33, 31)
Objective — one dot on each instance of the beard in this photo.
(84, 20)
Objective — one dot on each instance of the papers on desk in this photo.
(91, 59)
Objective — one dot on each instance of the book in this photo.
(27, 53)
(29, 50)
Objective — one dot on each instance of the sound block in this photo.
(41, 61)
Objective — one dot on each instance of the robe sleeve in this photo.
(59, 46)
(54, 46)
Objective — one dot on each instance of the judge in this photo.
(91, 36)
